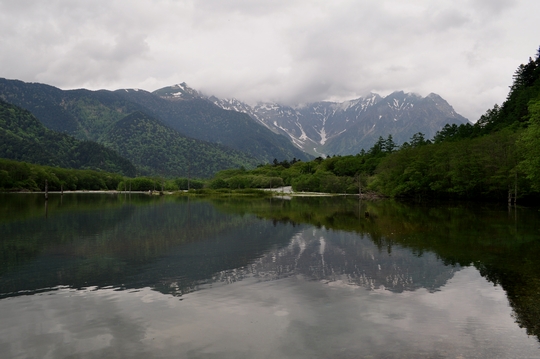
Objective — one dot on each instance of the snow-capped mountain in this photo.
(178, 92)
(329, 128)
(348, 127)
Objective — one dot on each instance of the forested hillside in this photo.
(92, 115)
(159, 150)
(24, 138)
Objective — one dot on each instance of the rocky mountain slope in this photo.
(328, 128)
(193, 115)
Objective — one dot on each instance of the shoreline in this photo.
(285, 192)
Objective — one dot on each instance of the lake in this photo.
(138, 276)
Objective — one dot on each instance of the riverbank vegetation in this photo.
(22, 176)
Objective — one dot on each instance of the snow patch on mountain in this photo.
(303, 137)
(323, 136)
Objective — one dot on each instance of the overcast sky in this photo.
(289, 51)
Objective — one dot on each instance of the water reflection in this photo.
(326, 255)
(131, 245)
(503, 244)
(175, 246)
(318, 254)
(287, 318)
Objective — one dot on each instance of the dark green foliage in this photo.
(262, 177)
(455, 133)
(348, 165)
(471, 168)
(325, 182)
(338, 174)
(185, 184)
(418, 140)
(529, 145)
(24, 138)
(17, 176)
(526, 87)
(140, 184)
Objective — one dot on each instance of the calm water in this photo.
(119, 276)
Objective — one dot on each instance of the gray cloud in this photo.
(291, 51)
(247, 7)
(493, 6)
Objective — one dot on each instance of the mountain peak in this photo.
(434, 96)
(179, 91)
(134, 90)
(403, 94)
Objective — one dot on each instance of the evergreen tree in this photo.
(418, 140)
(389, 144)
(530, 145)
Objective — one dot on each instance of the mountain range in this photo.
(178, 131)
(159, 136)
(330, 128)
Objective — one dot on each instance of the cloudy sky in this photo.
(290, 51)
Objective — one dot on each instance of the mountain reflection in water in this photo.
(326, 255)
